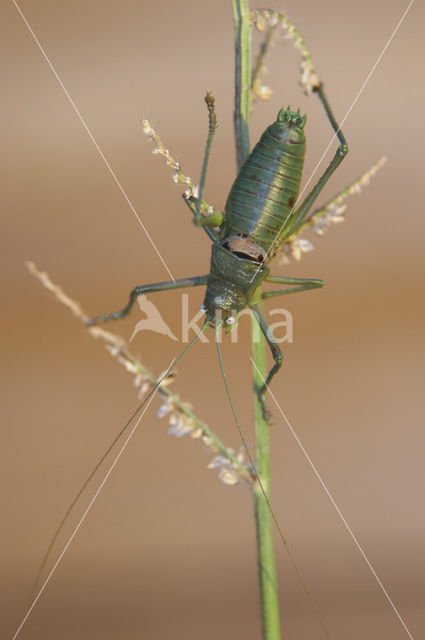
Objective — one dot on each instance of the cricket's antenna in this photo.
(155, 387)
(260, 484)
(223, 373)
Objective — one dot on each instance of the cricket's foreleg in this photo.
(276, 353)
(149, 288)
(339, 156)
(214, 219)
(302, 284)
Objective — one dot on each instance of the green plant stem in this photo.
(242, 79)
(263, 518)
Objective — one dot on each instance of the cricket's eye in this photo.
(230, 320)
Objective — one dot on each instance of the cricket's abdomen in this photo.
(262, 198)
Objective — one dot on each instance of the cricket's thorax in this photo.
(233, 279)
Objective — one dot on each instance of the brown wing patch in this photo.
(245, 247)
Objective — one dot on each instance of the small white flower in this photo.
(181, 429)
(218, 461)
(180, 425)
(173, 420)
(333, 215)
(337, 210)
(147, 129)
(300, 246)
(165, 408)
(137, 380)
(114, 351)
(264, 92)
(309, 79)
(319, 227)
(130, 366)
(143, 390)
(207, 440)
(241, 456)
(261, 24)
(228, 476)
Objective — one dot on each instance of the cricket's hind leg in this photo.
(339, 156)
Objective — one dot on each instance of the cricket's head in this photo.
(232, 283)
(219, 318)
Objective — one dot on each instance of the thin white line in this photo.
(88, 508)
(92, 139)
(339, 128)
(334, 503)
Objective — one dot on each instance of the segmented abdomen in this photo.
(264, 193)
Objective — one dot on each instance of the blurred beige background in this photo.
(168, 551)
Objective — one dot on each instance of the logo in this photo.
(153, 321)
(278, 331)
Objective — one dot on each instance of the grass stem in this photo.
(263, 518)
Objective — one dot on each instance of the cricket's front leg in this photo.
(149, 288)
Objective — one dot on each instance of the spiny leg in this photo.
(303, 285)
(150, 288)
(212, 126)
(276, 353)
(216, 218)
(339, 156)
